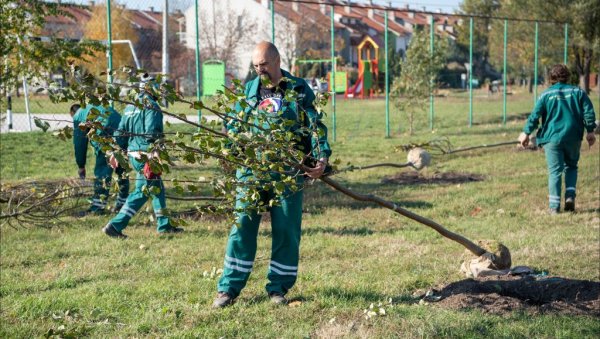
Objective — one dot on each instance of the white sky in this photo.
(447, 6)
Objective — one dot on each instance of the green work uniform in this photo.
(109, 120)
(286, 218)
(140, 128)
(566, 111)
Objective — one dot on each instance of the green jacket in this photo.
(302, 111)
(108, 117)
(140, 127)
(566, 111)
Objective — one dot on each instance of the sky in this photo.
(447, 6)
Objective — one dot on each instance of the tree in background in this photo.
(481, 34)
(417, 80)
(586, 38)
(24, 54)
(121, 29)
(228, 30)
(581, 15)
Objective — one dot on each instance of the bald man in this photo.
(266, 95)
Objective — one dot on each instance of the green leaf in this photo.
(197, 105)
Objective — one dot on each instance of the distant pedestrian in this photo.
(109, 120)
(566, 111)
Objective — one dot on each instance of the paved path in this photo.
(56, 121)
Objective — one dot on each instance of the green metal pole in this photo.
(431, 82)
(387, 80)
(504, 74)
(273, 21)
(198, 61)
(470, 72)
(332, 70)
(535, 65)
(565, 59)
(109, 45)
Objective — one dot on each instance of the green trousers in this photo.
(561, 157)
(137, 199)
(286, 220)
(102, 179)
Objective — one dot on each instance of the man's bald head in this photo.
(267, 49)
(266, 62)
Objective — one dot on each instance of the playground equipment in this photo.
(341, 78)
(213, 77)
(368, 70)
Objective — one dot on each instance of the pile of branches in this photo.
(41, 203)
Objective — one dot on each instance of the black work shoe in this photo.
(278, 298)
(112, 232)
(570, 204)
(171, 230)
(223, 299)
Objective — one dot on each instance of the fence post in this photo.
(9, 117)
(197, 60)
(333, 70)
(535, 65)
(109, 46)
(504, 74)
(25, 91)
(470, 71)
(165, 41)
(565, 58)
(431, 82)
(387, 79)
(273, 22)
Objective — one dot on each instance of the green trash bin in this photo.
(213, 77)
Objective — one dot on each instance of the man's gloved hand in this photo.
(149, 174)
(318, 170)
(591, 139)
(524, 139)
(81, 173)
(113, 162)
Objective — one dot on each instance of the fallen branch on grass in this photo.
(500, 258)
(40, 203)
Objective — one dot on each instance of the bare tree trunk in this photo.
(586, 69)
(583, 62)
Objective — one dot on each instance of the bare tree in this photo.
(226, 32)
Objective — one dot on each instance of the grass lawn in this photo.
(72, 280)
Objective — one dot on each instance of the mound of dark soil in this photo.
(415, 178)
(503, 294)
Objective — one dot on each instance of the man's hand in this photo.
(591, 138)
(318, 170)
(113, 162)
(524, 139)
(81, 173)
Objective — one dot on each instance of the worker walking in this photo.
(139, 130)
(106, 122)
(566, 111)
